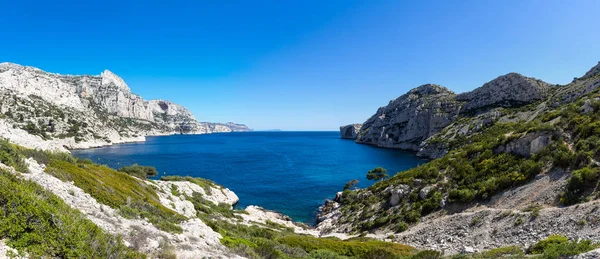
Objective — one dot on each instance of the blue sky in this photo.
(300, 65)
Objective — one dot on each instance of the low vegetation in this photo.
(206, 184)
(131, 196)
(139, 171)
(555, 246)
(474, 169)
(37, 223)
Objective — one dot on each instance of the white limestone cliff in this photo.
(89, 111)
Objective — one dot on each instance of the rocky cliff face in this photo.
(510, 162)
(236, 127)
(411, 118)
(418, 119)
(85, 111)
(350, 131)
(509, 90)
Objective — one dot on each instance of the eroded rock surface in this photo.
(350, 131)
(411, 118)
(509, 90)
(89, 111)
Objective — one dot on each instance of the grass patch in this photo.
(352, 248)
(557, 246)
(139, 171)
(133, 197)
(10, 156)
(40, 224)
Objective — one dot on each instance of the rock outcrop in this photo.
(411, 118)
(415, 120)
(509, 90)
(350, 131)
(527, 145)
(592, 72)
(88, 111)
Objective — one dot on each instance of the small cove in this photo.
(289, 172)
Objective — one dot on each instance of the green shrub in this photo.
(118, 190)
(580, 181)
(10, 156)
(462, 195)
(40, 224)
(427, 254)
(359, 249)
(377, 174)
(557, 246)
(534, 209)
(563, 156)
(402, 227)
(324, 254)
(139, 171)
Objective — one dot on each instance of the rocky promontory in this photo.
(430, 112)
(411, 118)
(350, 131)
(88, 111)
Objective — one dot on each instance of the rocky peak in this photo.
(7, 65)
(592, 72)
(111, 78)
(430, 89)
(509, 90)
(4, 66)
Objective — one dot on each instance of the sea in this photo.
(288, 172)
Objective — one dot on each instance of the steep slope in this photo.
(55, 205)
(85, 111)
(350, 131)
(411, 118)
(514, 170)
(510, 90)
(419, 119)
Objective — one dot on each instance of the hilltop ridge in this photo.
(87, 111)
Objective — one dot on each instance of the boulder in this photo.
(468, 250)
(527, 145)
(398, 193)
(338, 197)
(586, 107)
(424, 192)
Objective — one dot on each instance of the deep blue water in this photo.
(289, 172)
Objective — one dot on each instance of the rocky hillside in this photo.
(412, 120)
(516, 162)
(86, 111)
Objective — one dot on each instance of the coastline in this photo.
(270, 214)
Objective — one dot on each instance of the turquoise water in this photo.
(289, 172)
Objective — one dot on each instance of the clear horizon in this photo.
(301, 65)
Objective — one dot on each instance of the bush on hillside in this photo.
(36, 222)
(139, 171)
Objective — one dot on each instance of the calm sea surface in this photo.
(289, 172)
